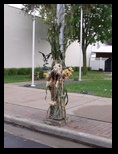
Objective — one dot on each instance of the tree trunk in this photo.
(84, 61)
(57, 105)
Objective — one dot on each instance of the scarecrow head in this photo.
(58, 68)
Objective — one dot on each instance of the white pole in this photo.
(60, 19)
(58, 8)
(33, 50)
(62, 27)
(80, 44)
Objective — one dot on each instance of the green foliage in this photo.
(10, 71)
(97, 25)
(6, 71)
(41, 72)
(38, 72)
(76, 68)
(48, 14)
(94, 83)
(89, 68)
(24, 71)
(98, 87)
(16, 78)
(17, 71)
(91, 75)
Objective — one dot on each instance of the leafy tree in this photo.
(97, 23)
(48, 13)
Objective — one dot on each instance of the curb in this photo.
(61, 132)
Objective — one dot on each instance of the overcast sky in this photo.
(20, 6)
(16, 5)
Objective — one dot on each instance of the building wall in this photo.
(18, 39)
(18, 42)
(73, 55)
(98, 63)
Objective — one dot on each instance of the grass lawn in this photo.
(95, 83)
(91, 75)
(16, 78)
(96, 87)
(101, 88)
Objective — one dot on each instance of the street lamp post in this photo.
(60, 19)
(33, 50)
(80, 44)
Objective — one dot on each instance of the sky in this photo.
(16, 5)
(20, 6)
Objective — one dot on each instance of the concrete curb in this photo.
(62, 132)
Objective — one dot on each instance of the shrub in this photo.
(6, 71)
(41, 73)
(24, 71)
(28, 71)
(17, 71)
(89, 68)
(76, 68)
(12, 71)
(38, 72)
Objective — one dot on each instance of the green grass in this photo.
(16, 78)
(90, 75)
(101, 88)
(95, 87)
(95, 83)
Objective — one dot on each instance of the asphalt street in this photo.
(11, 141)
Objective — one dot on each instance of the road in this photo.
(18, 137)
(11, 141)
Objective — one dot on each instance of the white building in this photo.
(18, 42)
(101, 58)
(18, 39)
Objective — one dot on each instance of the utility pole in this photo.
(33, 49)
(81, 23)
(60, 20)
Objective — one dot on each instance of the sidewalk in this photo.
(90, 117)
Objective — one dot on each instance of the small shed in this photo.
(104, 52)
(104, 56)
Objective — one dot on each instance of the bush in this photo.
(38, 73)
(76, 69)
(28, 71)
(89, 68)
(24, 71)
(12, 71)
(6, 71)
(41, 73)
(17, 71)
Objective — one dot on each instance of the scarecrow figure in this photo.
(59, 97)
